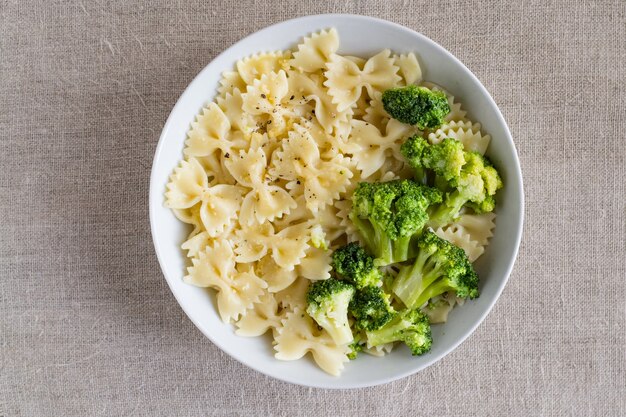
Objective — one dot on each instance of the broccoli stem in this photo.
(341, 334)
(413, 282)
(400, 251)
(421, 175)
(408, 284)
(372, 235)
(387, 334)
(447, 211)
(433, 290)
(385, 250)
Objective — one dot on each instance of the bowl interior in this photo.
(438, 66)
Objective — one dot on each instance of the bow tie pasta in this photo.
(266, 182)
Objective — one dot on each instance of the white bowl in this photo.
(365, 36)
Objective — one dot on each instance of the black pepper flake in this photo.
(313, 111)
(226, 155)
(263, 96)
(269, 122)
(298, 182)
(292, 97)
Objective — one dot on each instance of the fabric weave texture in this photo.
(88, 325)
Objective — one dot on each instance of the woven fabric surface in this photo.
(88, 325)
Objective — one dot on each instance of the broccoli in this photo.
(371, 309)
(409, 326)
(352, 263)
(416, 105)
(388, 215)
(475, 187)
(355, 347)
(413, 151)
(327, 304)
(439, 267)
(445, 159)
(485, 206)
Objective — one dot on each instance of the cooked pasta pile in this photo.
(268, 170)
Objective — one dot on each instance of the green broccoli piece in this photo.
(355, 347)
(327, 304)
(439, 267)
(445, 159)
(485, 206)
(388, 215)
(371, 308)
(413, 151)
(475, 187)
(416, 105)
(410, 326)
(352, 263)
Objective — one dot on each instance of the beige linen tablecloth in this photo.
(88, 325)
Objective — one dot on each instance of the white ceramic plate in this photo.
(365, 36)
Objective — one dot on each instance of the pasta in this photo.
(314, 51)
(238, 288)
(209, 133)
(466, 132)
(267, 175)
(479, 227)
(409, 68)
(299, 162)
(370, 148)
(255, 66)
(463, 240)
(346, 80)
(263, 316)
(299, 335)
(264, 201)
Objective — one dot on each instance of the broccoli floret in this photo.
(445, 159)
(352, 263)
(409, 326)
(439, 267)
(388, 215)
(415, 105)
(327, 304)
(355, 347)
(475, 187)
(413, 151)
(371, 308)
(485, 206)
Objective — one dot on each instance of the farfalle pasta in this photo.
(370, 148)
(267, 175)
(346, 80)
